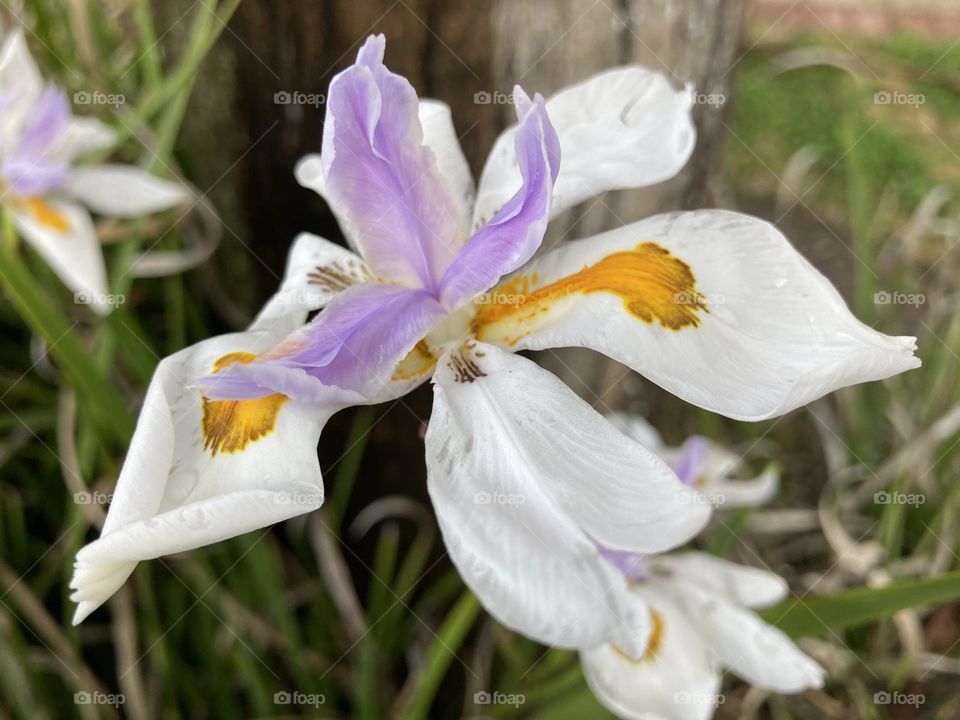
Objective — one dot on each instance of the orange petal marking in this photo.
(46, 214)
(655, 286)
(230, 425)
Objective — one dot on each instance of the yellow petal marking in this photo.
(417, 362)
(46, 214)
(655, 286)
(230, 425)
(653, 643)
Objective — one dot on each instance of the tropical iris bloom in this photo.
(528, 481)
(707, 467)
(699, 607)
(700, 610)
(46, 194)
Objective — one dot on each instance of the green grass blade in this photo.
(800, 617)
(441, 653)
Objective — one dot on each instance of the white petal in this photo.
(64, 236)
(680, 682)
(181, 489)
(174, 494)
(317, 270)
(775, 334)
(20, 84)
(84, 135)
(309, 173)
(523, 474)
(123, 190)
(440, 136)
(623, 128)
(751, 587)
(634, 426)
(759, 653)
(747, 493)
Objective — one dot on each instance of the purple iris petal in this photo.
(385, 186)
(381, 179)
(346, 354)
(514, 233)
(689, 463)
(31, 168)
(632, 565)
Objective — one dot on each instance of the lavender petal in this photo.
(380, 178)
(515, 232)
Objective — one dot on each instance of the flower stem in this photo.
(43, 318)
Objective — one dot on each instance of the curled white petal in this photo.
(526, 478)
(757, 652)
(317, 271)
(678, 679)
(123, 190)
(626, 127)
(63, 234)
(440, 136)
(199, 472)
(727, 315)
